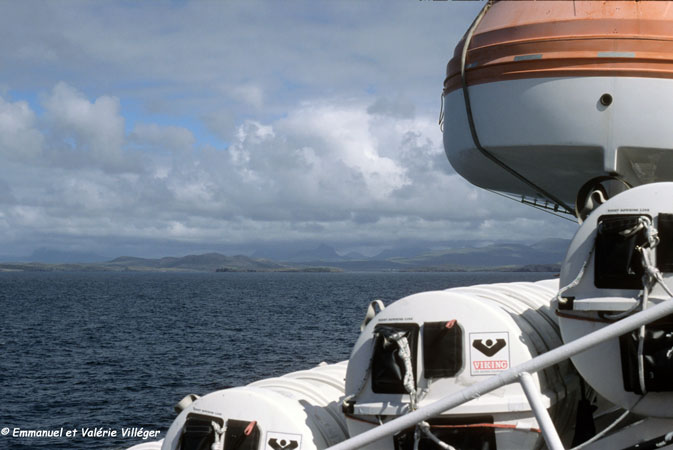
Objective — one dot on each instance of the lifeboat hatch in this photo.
(617, 263)
(442, 349)
(241, 435)
(198, 432)
(388, 361)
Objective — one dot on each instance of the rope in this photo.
(424, 427)
(641, 348)
(650, 277)
(505, 426)
(218, 441)
(579, 276)
(405, 353)
(441, 114)
(647, 252)
(605, 431)
(470, 118)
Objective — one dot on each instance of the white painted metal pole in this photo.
(538, 363)
(541, 414)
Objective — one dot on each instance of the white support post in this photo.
(549, 432)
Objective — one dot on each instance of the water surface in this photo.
(116, 350)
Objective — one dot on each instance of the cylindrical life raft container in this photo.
(623, 242)
(298, 410)
(456, 338)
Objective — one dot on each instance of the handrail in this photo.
(512, 375)
(549, 432)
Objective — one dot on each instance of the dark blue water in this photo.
(85, 350)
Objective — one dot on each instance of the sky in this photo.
(157, 128)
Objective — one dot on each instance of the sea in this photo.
(85, 357)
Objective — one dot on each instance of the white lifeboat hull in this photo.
(558, 134)
(561, 93)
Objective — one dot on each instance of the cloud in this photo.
(392, 108)
(19, 138)
(84, 133)
(238, 55)
(338, 166)
(6, 195)
(249, 94)
(221, 123)
(150, 136)
(329, 170)
(214, 124)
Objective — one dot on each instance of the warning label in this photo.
(489, 353)
(282, 441)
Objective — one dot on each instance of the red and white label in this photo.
(489, 353)
(490, 365)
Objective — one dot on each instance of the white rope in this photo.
(424, 427)
(218, 442)
(650, 277)
(604, 432)
(628, 312)
(405, 353)
(607, 429)
(641, 348)
(578, 278)
(647, 253)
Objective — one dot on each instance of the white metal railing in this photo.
(521, 374)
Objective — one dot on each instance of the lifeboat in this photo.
(549, 95)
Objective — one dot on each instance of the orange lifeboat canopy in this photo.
(562, 92)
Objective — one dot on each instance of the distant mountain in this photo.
(545, 255)
(209, 262)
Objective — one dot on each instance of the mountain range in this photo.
(544, 255)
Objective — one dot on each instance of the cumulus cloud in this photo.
(19, 138)
(334, 167)
(328, 170)
(212, 124)
(85, 133)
